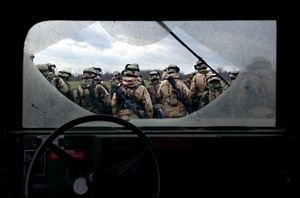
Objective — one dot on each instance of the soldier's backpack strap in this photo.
(114, 89)
(179, 95)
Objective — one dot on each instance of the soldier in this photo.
(188, 80)
(154, 84)
(213, 89)
(48, 72)
(164, 74)
(232, 75)
(65, 76)
(198, 85)
(116, 79)
(98, 78)
(174, 94)
(31, 56)
(130, 98)
(140, 78)
(87, 96)
(102, 93)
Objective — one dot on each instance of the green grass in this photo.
(75, 84)
(107, 83)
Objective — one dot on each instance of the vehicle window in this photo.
(174, 73)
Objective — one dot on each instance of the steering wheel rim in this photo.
(60, 130)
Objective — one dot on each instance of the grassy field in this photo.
(75, 84)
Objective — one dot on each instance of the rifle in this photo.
(188, 48)
(179, 94)
(98, 105)
(129, 103)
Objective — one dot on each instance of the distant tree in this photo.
(182, 75)
(145, 74)
(76, 77)
(106, 76)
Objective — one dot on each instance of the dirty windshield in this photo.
(151, 73)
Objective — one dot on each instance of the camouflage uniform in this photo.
(90, 95)
(98, 80)
(164, 74)
(213, 89)
(188, 80)
(103, 97)
(173, 107)
(132, 88)
(116, 79)
(232, 76)
(48, 71)
(135, 68)
(154, 84)
(84, 98)
(65, 76)
(198, 85)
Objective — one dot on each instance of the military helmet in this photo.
(46, 67)
(90, 73)
(233, 74)
(89, 70)
(200, 65)
(131, 70)
(97, 78)
(172, 69)
(64, 74)
(154, 75)
(133, 67)
(98, 70)
(130, 73)
(116, 74)
(42, 67)
(51, 66)
(213, 78)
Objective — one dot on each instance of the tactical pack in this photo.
(130, 103)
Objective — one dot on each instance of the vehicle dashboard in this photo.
(191, 164)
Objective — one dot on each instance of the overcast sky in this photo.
(94, 46)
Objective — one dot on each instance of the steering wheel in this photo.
(116, 170)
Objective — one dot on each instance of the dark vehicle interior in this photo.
(129, 159)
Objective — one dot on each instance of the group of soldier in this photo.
(166, 96)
